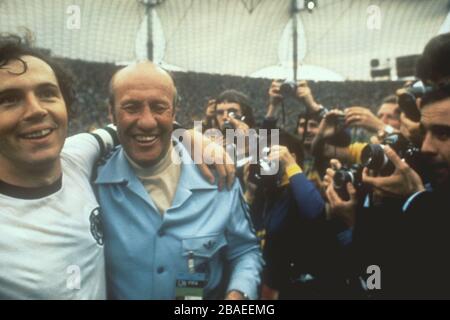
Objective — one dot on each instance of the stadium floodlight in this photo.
(152, 3)
(299, 5)
(311, 5)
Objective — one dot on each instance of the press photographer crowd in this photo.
(357, 208)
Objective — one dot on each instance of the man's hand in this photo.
(338, 208)
(304, 94)
(235, 295)
(403, 182)
(327, 127)
(281, 154)
(410, 129)
(211, 152)
(275, 98)
(363, 117)
(239, 125)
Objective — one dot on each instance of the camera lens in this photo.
(341, 178)
(373, 157)
(227, 125)
(346, 175)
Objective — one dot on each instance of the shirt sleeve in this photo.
(355, 150)
(308, 199)
(84, 149)
(243, 253)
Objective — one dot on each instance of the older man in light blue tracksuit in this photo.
(168, 233)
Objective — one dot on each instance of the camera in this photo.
(374, 158)
(345, 175)
(288, 88)
(339, 123)
(342, 136)
(227, 124)
(407, 100)
(262, 172)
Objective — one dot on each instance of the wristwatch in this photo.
(319, 114)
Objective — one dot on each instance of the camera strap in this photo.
(283, 114)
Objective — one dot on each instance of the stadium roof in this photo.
(336, 41)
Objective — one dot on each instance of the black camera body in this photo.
(345, 175)
(262, 172)
(407, 100)
(227, 124)
(374, 158)
(340, 123)
(288, 88)
(342, 136)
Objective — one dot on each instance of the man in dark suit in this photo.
(423, 263)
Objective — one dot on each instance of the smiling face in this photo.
(312, 128)
(435, 121)
(33, 115)
(143, 111)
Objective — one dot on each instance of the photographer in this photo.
(426, 220)
(387, 120)
(307, 122)
(409, 242)
(279, 90)
(333, 140)
(385, 123)
(373, 223)
(233, 111)
(288, 212)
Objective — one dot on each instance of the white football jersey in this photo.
(51, 246)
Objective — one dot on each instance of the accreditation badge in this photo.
(189, 286)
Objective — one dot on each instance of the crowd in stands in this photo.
(196, 88)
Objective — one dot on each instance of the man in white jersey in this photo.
(51, 241)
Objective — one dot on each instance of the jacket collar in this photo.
(118, 170)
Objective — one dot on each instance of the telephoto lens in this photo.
(374, 158)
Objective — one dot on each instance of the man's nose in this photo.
(146, 119)
(428, 144)
(34, 108)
